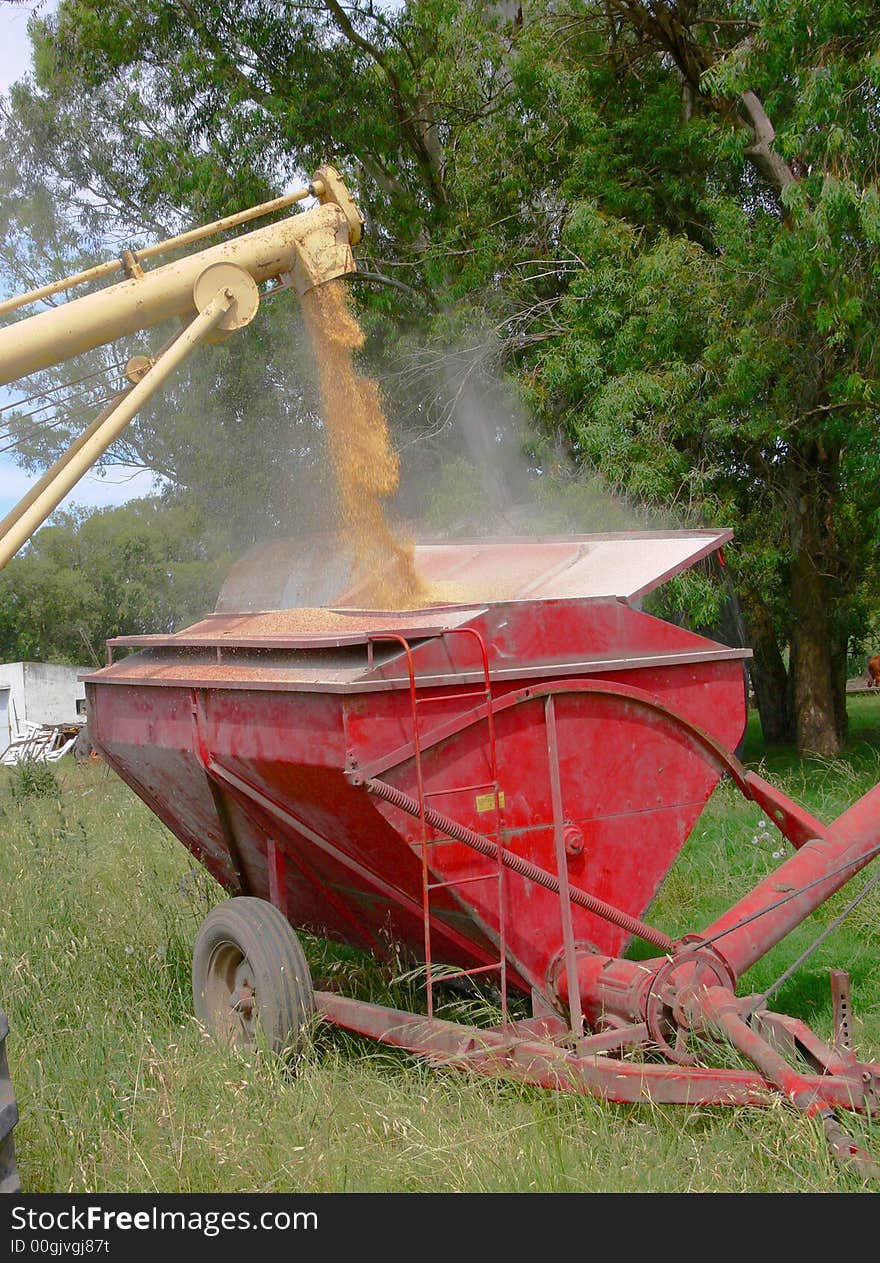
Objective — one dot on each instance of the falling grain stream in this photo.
(366, 466)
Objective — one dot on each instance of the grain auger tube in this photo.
(214, 292)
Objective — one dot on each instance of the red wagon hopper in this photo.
(495, 786)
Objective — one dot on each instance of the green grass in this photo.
(120, 1090)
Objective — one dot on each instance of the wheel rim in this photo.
(230, 995)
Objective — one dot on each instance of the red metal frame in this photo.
(586, 1067)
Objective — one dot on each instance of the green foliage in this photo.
(724, 362)
(695, 595)
(140, 568)
(32, 778)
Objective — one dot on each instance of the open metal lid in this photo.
(289, 574)
(320, 645)
(626, 565)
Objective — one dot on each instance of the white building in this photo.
(38, 693)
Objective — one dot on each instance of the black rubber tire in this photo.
(9, 1181)
(249, 972)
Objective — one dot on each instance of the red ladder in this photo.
(484, 693)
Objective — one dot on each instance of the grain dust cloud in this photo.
(365, 464)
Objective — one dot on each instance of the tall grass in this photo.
(120, 1090)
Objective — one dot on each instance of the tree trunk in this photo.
(767, 673)
(816, 721)
(812, 488)
(838, 684)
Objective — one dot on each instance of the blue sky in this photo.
(119, 484)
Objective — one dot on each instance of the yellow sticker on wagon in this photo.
(486, 802)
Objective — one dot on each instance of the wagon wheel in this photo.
(249, 973)
(9, 1181)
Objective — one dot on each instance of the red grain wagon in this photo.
(495, 786)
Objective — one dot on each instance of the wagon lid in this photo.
(625, 565)
(335, 646)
